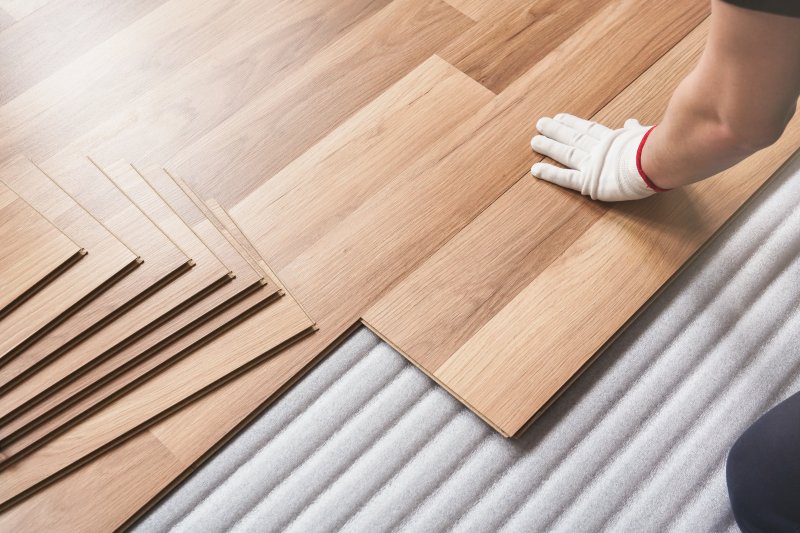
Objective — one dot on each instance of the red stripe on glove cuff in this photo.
(647, 181)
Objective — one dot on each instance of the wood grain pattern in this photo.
(51, 34)
(44, 119)
(508, 42)
(33, 251)
(148, 294)
(259, 51)
(465, 283)
(109, 261)
(480, 9)
(320, 95)
(267, 331)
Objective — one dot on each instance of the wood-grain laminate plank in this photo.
(108, 262)
(150, 293)
(44, 39)
(509, 42)
(661, 235)
(458, 289)
(485, 155)
(330, 86)
(33, 252)
(261, 335)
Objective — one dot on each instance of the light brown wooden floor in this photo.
(376, 154)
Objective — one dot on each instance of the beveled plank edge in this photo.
(4, 506)
(42, 283)
(8, 459)
(108, 319)
(441, 384)
(74, 308)
(163, 344)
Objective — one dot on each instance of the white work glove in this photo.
(602, 163)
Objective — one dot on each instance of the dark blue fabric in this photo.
(763, 472)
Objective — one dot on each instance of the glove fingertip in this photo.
(536, 170)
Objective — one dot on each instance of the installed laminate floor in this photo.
(368, 162)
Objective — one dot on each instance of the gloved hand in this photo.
(603, 163)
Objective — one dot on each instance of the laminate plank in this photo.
(484, 156)
(268, 45)
(53, 33)
(109, 261)
(501, 47)
(260, 336)
(330, 87)
(33, 251)
(45, 118)
(445, 301)
(150, 294)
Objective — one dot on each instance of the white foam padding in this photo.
(366, 442)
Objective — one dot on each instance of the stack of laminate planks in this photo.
(374, 155)
(141, 299)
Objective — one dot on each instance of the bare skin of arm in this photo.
(736, 101)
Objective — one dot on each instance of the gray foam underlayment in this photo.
(366, 442)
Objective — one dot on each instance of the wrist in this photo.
(648, 181)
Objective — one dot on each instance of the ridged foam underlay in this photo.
(366, 442)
